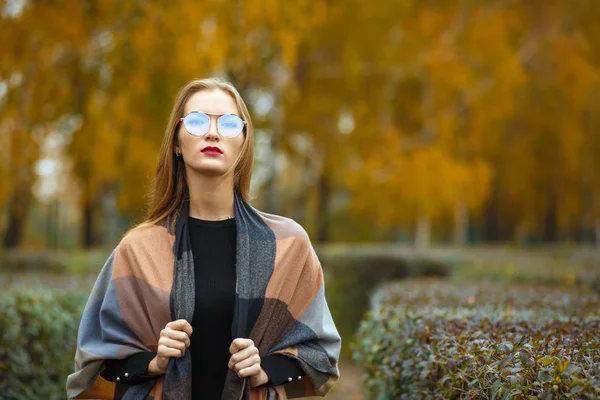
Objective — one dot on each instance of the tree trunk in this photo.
(323, 206)
(109, 230)
(490, 231)
(461, 224)
(277, 125)
(90, 209)
(423, 232)
(87, 226)
(24, 150)
(551, 219)
(17, 214)
(51, 224)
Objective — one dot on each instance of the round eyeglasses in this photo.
(197, 123)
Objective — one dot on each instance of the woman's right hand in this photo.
(173, 341)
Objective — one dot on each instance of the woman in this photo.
(208, 298)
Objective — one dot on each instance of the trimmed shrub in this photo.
(53, 262)
(429, 340)
(19, 262)
(549, 267)
(38, 335)
(352, 272)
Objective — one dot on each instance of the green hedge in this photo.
(551, 267)
(432, 340)
(38, 335)
(18, 261)
(352, 272)
(54, 262)
(38, 327)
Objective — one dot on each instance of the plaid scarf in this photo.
(148, 281)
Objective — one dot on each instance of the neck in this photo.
(211, 197)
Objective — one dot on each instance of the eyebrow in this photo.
(207, 113)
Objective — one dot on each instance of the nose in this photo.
(212, 133)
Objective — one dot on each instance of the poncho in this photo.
(148, 281)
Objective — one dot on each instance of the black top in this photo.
(214, 249)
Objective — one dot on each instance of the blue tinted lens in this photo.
(197, 123)
(230, 125)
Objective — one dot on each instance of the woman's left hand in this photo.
(245, 361)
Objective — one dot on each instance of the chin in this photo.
(210, 170)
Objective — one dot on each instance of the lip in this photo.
(212, 150)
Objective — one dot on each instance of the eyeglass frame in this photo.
(210, 115)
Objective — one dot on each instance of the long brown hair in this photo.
(169, 187)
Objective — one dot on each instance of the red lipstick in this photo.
(211, 150)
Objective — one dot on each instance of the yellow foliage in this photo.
(450, 102)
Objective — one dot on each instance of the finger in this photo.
(187, 327)
(250, 371)
(239, 343)
(180, 325)
(174, 344)
(243, 354)
(248, 362)
(169, 352)
(176, 335)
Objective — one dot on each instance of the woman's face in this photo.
(212, 101)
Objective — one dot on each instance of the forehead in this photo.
(213, 101)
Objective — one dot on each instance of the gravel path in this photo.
(349, 387)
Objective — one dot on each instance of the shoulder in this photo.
(145, 237)
(146, 252)
(283, 227)
(293, 240)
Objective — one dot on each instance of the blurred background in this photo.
(455, 138)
